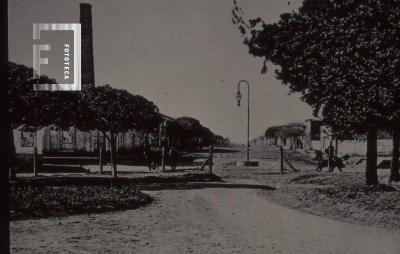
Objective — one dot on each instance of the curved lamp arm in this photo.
(238, 95)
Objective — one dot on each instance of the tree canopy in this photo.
(285, 131)
(117, 110)
(342, 56)
(190, 131)
(28, 108)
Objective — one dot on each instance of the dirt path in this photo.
(201, 221)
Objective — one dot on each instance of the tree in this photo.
(218, 140)
(190, 132)
(273, 132)
(395, 165)
(342, 56)
(30, 109)
(193, 133)
(290, 130)
(105, 108)
(114, 110)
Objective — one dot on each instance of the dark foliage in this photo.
(47, 201)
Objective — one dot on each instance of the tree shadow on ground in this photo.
(203, 185)
(218, 150)
(268, 173)
(63, 169)
(180, 182)
(107, 180)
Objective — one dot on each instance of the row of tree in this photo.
(344, 59)
(291, 130)
(286, 131)
(102, 108)
(188, 133)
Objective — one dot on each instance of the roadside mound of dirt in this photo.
(343, 196)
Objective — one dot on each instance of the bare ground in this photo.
(201, 221)
(340, 196)
(205, 219)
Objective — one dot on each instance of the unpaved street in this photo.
(213, 220)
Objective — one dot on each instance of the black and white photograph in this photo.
(201, 126)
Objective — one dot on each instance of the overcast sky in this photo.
(185, 55)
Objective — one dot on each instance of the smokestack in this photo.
(87, 45)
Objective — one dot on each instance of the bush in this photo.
(44, 201)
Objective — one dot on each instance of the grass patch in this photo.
(27, 202)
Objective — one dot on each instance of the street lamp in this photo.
(238, 98)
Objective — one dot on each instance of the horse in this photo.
(173, 157)
(336, 162)
(152, 156)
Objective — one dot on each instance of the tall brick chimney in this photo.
(87, 45)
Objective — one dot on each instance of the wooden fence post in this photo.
(101, 158)
(330, 154)
(291, 166)
(35, 161)
(163, 158)
(211, 158)
(281, 157)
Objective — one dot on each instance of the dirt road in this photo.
(214, 220)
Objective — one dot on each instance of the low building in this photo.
(53, 140)
(319, 137)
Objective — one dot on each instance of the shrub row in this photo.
(28, 202)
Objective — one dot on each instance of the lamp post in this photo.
(238, 98)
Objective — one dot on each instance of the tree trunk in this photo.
(35, 157)
(13, 155)
(336, 145)
(113, 159)
(330, 153)
(394, 169)
(163, 155)
(101, 159)
(35, 161)
(372, 156)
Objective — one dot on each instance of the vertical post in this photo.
(330, 153)
(101, 159)
(35, 161)
(211, 158)
(58, 140)
(35, 156)
(74, 139)
(113, 155)
(160, 134)
(163, 158)
(238, 98)
(394, 167)
(336, 145)
(281, 158)
(248, 121)
(370, 168)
